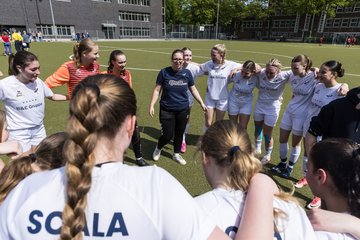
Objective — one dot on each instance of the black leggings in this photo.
(173, 123)
(135, 142)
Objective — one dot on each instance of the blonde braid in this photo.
(99, 106)
(82, 126)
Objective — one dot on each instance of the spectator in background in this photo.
(7, 43)
(353, 41)
(26, 41)
(17, 39)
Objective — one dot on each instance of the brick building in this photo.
(306, 26)
(112, 19)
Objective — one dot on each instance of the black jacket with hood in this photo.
(339, 118)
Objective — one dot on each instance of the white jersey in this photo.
(303, 90)
(322, 96)
(218, 75)
(242, 90)
(195, 72)
(270, 92)
(124, 202)
(320, 235)
(24, 103)
(226, 208)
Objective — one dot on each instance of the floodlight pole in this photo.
(217, 19)
(53, 20)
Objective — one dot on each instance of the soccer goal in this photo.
(178, 35)
(339, 38)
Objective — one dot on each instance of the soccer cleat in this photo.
(177, 157)
(183, 147)
(156, 154)
(265, 160)
(302, 182)
(141, 162)
(315, 203)
(287, 172)
(279, 168)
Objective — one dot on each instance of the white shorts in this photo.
(269, 113)
(236, 108)
(28, 137)
(221, 104)
(291, 122)
(269, 120)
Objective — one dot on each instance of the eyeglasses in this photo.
(177, 59)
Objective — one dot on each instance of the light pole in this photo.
(217, 19)
(53, 20)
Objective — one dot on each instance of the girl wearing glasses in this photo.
(173, 82)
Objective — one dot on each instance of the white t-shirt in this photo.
(24, 103)
(124, 202)
(303, 90)
(195, 70)
(322, 96)
(320, 235)
(226, 208)
(270, 93)
(242, 90)
(218, 78)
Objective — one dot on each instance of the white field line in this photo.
(197, 56)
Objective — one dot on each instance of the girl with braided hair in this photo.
(83, 63)
(229, 166)
(95, 195)
(47, 156)
(334, 175)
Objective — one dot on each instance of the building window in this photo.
(63, 0)
(354, 22)
(329, 23)
(62, 30)
(134, 32)
(134, 16)
(339, 9)
(336, 23)
(135, 2)
(109, 1)
(348, 9)
(345, 22)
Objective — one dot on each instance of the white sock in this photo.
(268, 151)
(295, 153)
(284, 148)
(258, 145)
(304, 168)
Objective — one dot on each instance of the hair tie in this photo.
(32, 157)
(233, 150)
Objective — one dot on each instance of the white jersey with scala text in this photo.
(242, 90)
(270, 93)
(322, 96)
(302, 93)
(217, 84)
(24, 103)
(124, 202)
(226, 208)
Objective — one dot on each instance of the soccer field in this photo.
(146, 58)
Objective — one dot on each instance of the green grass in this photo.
(146, 58)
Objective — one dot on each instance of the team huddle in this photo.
(74, 185)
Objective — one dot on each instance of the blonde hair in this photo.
(274, 62)
(99, 106)
(304, 60)
(84, 46)
(48, 155)
(230, 146)
(221, 49)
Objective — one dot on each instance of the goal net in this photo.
(177, 35)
